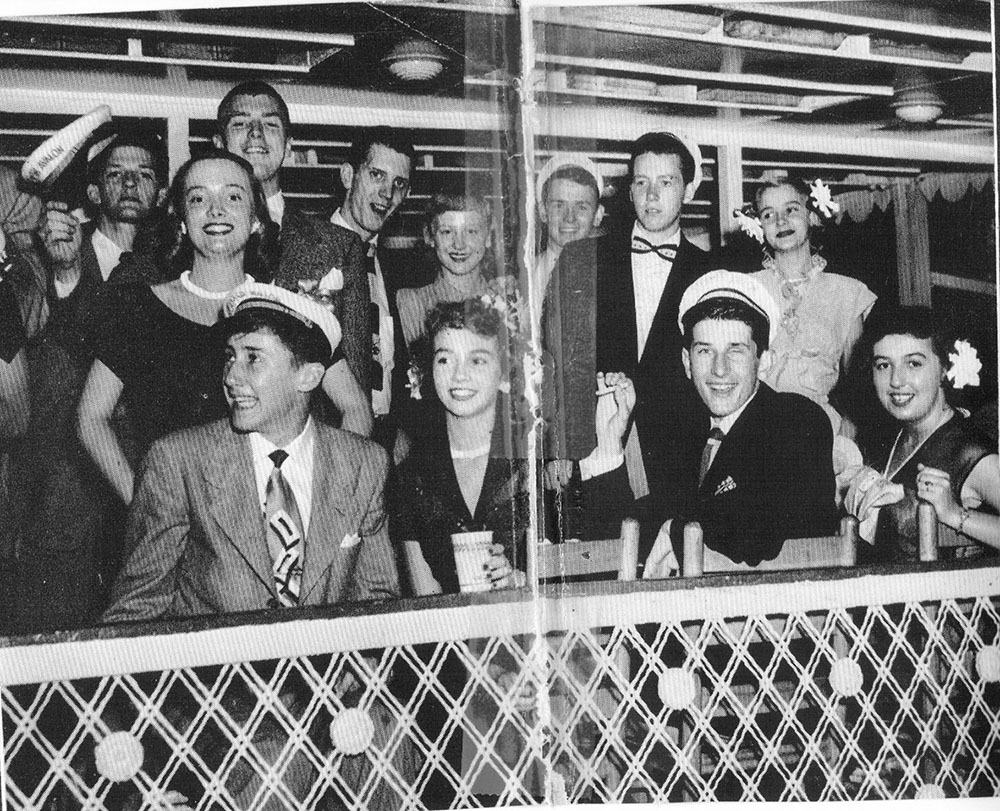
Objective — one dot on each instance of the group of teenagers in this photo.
(174, 368)
(671, 390)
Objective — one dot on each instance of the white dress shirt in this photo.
(276, 207)
(725, 424)
(387, 338)
(297, 469)
(649, 279)
(108, 253)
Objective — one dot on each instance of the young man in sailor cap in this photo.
(763, 470)
(614, 306)
(270, 507)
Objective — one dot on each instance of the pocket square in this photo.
(351, 539)
(725, 486)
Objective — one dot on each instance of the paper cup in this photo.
(472, 550)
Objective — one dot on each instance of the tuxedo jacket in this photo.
(771, 479)
(590, 324)
(196, 540)
(310, 248)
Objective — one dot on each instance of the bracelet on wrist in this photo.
(961, 521)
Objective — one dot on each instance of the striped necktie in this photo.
(707, 455)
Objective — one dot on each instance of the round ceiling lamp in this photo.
(914, 99)
(415, 60)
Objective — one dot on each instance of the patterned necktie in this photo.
(714, 438)
(664, 251)
(284, 533)
(375, 317)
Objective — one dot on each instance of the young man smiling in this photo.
(203, 492)
(376, 177)
(763, 469)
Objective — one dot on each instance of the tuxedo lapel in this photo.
(616, 328)
(663, 330)
(233, 502)
(334, 483)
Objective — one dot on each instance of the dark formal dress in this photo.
(171, 367)
(956, 448)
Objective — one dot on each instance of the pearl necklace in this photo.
(472, 453)
(211, 295)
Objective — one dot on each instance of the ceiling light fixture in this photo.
(415, 60)
(914, 98)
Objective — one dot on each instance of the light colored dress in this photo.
(415, 303)
(818, 314)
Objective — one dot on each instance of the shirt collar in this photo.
(302, 444)
(338, 219)
(655, 238)
(276, 207)
(725, 424)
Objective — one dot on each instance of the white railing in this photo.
(817, 686)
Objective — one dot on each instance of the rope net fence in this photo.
(877, 686)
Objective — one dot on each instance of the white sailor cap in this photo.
(736, 286)
(309, 312)
(561, 160)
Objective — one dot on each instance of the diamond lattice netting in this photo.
(857, 701)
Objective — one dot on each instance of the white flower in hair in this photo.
(824, 201)
(749, 225)
(965, 365)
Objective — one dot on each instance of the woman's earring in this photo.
(184, 228)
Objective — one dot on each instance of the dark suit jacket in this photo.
(310, 248)
(590, 326)
(771, 479)
(196, 540)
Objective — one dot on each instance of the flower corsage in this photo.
(965, 365)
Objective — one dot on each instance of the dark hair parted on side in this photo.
(259, 252)
(397, 140)
(576, 174)
(920, 322)
(138, 136)
(727, 309)
(472, 314)
(662, 143)
(255, 87)
(307, 345)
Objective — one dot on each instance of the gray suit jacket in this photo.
(196, 543)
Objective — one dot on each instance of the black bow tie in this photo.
(665, 251)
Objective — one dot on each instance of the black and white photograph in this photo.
(448, 404)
